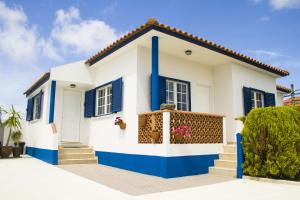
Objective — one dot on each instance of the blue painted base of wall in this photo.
(47, 155)
(166, 167)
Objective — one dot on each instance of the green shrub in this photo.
(271, 142)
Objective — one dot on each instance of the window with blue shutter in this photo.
(34, 107)
(162, 81)
(39, 105)
(269, 99)
(29, 110)
(117, 95)
(175, 91)
(104, 99)
(89, 103)
(247, 100)
(254, 98)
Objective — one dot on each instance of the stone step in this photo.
(228, 156)
(72, 145)
(76, 150)
(222, 171)
(225, 164)
(231, 143)
(229, 149)
(78, 161)
(75, 155)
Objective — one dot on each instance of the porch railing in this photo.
(206, 128)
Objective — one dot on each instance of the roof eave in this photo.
(152, 24)
(283, 89)
(37, 84)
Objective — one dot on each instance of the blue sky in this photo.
(37, 35)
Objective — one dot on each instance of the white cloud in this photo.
(13, 82)
(49, 50)
(281, 4)
(284, 4)
(18, 40)
(264, 18)
(22, 46)
(110, 9)
(70, 35)
(278, 59)
(77, 36)
(265, 53)
(256, 1)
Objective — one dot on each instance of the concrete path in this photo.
(31, 179)
(138, 184)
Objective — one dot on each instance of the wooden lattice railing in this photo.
(205, 128)
(150, 123)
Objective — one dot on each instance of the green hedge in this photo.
(271, 142)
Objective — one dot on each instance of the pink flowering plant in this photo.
(182, 133)
(118, 120)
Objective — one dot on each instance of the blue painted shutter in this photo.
(52, 101)
(29, 110)
(117, 95)
(247, 100)
(269, 99)
(190, 97)
(162, 84)
(40, 104)
(89, 103)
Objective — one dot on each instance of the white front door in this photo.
(71, 116)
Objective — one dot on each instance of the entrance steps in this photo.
(227, 163)
(76, 153)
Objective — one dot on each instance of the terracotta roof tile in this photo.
(152, 23)
(45, 77)
(288, 102)
(283, 89)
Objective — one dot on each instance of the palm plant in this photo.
(16, 136)
(13, 122)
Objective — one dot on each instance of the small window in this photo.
(257, 100)
(177, 93)
(103, 100)
(36, 107)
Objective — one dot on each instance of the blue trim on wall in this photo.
(239, 172)
(47, 155)
(52, 101)
(166, 167)
(154, 75)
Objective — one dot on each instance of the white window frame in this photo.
(256, 100)
(36, 101)
(175, 92)
(107, 101)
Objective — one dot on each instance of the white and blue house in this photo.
(151, 65)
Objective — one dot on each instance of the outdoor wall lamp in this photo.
(72, 85)
(188, 52)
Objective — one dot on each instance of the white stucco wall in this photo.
(243, 76)
(202, 94)
(199, 75)
(76, 72)
(214, 89)
(280, 98)
(223, 96)
(38, 133)
(103, 134)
